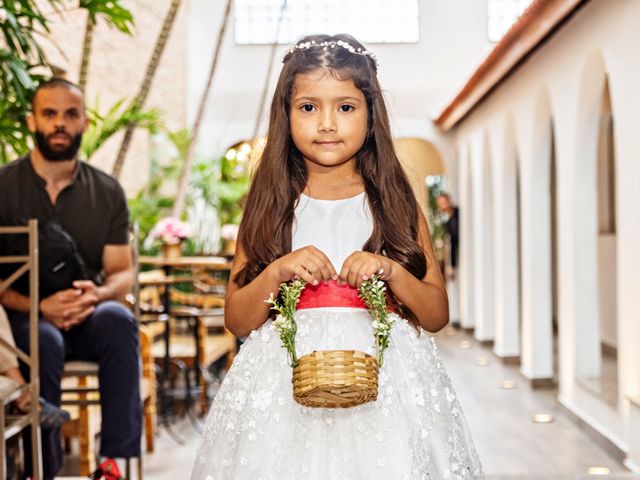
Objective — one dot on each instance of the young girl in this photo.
(330, 204)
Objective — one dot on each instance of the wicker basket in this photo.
(335, 379)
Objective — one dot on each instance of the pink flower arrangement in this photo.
(171, 230)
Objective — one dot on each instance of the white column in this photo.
(465, 254)
(507, 308)
(483, 242)
(583, 201)
(535, 201)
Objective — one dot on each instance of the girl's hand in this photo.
(307, 263)
(359, 266)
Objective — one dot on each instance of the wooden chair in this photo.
(81, 400)
(81, 395)
(10, 390)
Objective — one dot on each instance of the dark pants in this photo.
(110, 338)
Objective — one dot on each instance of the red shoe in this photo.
(108, 470)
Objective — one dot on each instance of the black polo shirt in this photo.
(92, 209)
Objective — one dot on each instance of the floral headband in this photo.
(331, 44)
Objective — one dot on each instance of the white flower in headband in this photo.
(331, 44)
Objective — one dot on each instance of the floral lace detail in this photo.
(415, 430)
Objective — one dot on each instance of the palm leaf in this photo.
(113, 12)
(21, 54)
(180, 139)
(119, 116)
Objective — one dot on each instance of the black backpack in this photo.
(60, 261)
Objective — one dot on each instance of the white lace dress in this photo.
(415, 429)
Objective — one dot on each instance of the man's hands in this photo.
(72, 306)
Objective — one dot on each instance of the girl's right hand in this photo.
(307, 263)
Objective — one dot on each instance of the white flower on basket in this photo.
(373, 293)
(285, 306)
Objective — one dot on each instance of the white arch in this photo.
(419, 158)
(584, 273)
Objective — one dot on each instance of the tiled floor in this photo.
(605, 385)
(510, 444)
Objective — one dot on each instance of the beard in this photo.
(55, 153)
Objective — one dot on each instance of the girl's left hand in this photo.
(360, 266)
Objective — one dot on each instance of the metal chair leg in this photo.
(128, 469)
(3, 463)
(140, 467)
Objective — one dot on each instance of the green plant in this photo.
(118, 117)
(23, 63)
(155, 202)
(20, 56)
(151, 204)
(112, 11)
(216, 189)
(285, 305)
(233, 186)
(374, 294)
(435, 219)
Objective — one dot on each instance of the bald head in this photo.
(56, 82)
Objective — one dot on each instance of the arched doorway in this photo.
(602, 378)
(420, 158)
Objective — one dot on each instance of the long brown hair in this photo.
(281, 176)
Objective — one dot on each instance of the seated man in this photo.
(82, 321)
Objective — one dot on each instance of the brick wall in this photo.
(117, 66)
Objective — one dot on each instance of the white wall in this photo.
(419, 78)
(561, 84)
